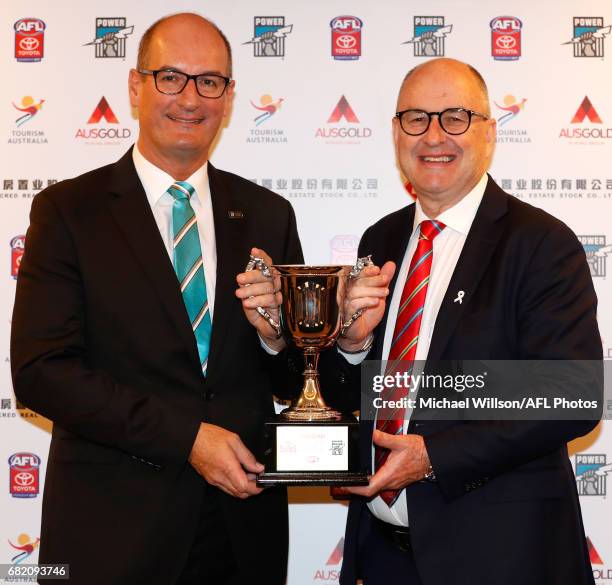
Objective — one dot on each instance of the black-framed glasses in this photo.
(172, 82)
(453, 121)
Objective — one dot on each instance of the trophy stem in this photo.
(310, 404)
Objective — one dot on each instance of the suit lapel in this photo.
(132, 213)
(394, 249)
(231, 260)
(390, 249)
(473, 261)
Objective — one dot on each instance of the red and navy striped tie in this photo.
(406, 338)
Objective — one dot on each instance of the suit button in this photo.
(342, 378)
(209, 395)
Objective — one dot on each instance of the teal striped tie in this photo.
(189, 266)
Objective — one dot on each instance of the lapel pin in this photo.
(460, 296)
(235, 214)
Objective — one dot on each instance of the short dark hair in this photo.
(147, 37)
(475, 73)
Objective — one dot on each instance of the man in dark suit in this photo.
(480, 276)
(127, 333)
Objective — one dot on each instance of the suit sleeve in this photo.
(292, 248)
(49, 360)
(556, 310)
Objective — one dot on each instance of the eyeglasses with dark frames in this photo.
(453, 121)
(173, 82)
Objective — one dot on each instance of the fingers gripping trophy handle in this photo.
(256, 263)
(354, 273)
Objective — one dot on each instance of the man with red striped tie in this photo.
(467, 272)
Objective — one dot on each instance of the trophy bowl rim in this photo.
(312, 269)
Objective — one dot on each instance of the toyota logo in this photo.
(506, 42)
(346, 41)
(23, 478)
(29, 44)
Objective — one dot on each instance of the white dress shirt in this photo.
(447, 247)
(156, 183)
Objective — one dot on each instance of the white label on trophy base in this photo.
(312, 448)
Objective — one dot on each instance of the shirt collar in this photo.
(460, 216)
(156, 182)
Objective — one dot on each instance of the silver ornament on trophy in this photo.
(310, 443)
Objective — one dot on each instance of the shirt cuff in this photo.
(266, 347)
(355, 358)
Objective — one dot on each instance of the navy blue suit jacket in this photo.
(504, 509)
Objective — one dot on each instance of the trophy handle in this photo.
(256, 263)
(360, 264)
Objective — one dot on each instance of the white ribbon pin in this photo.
(460, 296)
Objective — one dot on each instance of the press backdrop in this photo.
(326, 75)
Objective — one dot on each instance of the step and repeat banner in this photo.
(316, 85)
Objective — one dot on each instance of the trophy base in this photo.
(311, 478)
(310, 414)
(312, 453)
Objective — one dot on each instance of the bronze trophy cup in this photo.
(310, 443)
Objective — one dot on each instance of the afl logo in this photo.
(344, 249)
(346, 37)
(17, 248)
(506, 38)
(29, 40)
(24, 475)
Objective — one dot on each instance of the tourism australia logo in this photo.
(265, 131)
(509, 131)
(27, 109)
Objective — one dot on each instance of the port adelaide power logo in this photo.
(591, 473)
(110, 39)
(596, 253)
(429, 35)
(589, 35)
(269, 36)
